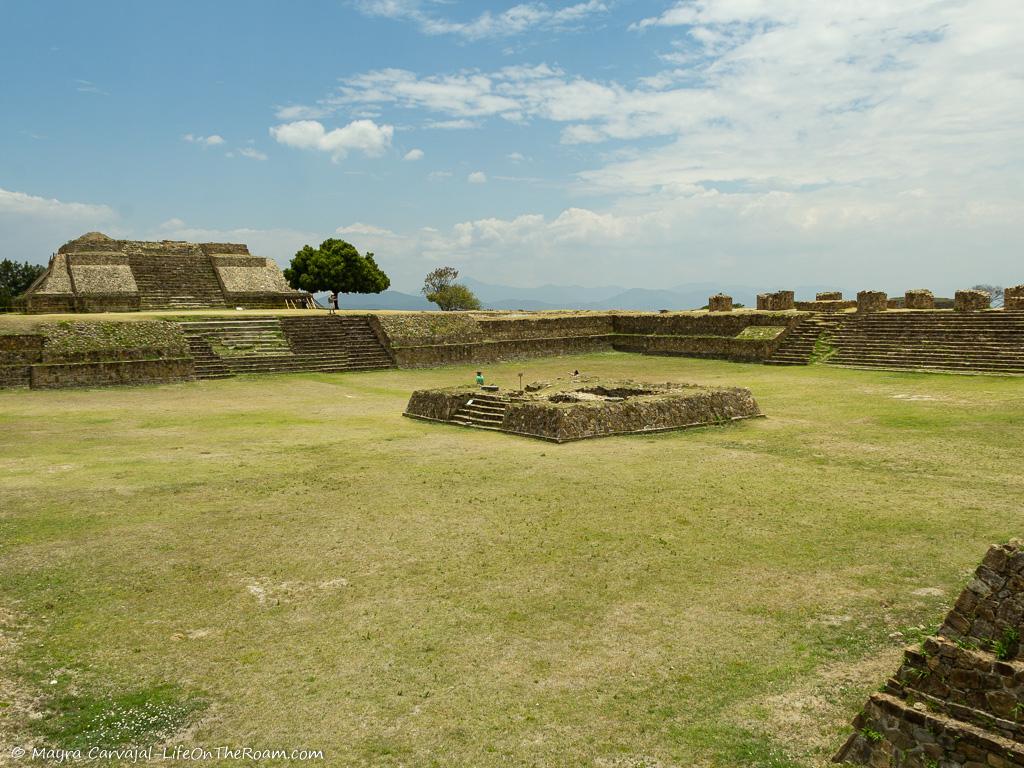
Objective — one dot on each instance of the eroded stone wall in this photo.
(958, 700)
(775, 302)
(1013, 298)
(720, 303)
(971, 300)
(872, 301)
(919, 298)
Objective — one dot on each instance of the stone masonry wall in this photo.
(919, 298)
(971, 300)
(872, 301)
(958, 700)
(1013, 298)
(775, 302)
(720, 303)
(103, 374)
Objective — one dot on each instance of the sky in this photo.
(642, 143)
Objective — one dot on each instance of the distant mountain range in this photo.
(549, 297)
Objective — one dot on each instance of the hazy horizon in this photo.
(637, 143)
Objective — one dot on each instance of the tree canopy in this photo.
(439, 287)
(335, 266)
(15, 279)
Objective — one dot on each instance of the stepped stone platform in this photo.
(96, 273)
(989, 341)
(581, 408)
(958, 700)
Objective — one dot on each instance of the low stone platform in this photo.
(584, 407)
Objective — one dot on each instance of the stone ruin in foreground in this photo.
(98, 274)
(958, 701)
(584, 407)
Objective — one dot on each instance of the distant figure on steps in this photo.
(479, 378)
(333, 300)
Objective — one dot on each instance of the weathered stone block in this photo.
(919, 298)
(872, 301)
(971, 300)
(720, 303)
(1013, 298)
(828, 296)
(775, 302)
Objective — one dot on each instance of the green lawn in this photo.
(286, 562)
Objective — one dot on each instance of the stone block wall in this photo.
(971, 300)
(720, 303)
(919, 298)
(108, 373)
(1013, 298)
(958, 700)
(872, 301)
(828, 296)
(837, 305)
(779, 301)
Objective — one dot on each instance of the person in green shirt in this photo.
(480, 378)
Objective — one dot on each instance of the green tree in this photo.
(15, 279)
(439, 287)
(335, 266)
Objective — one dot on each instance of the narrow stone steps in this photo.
(482, 411)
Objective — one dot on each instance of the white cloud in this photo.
(516, 20)
(252, 153)
(301, 112)
(359, 228)
(516, 157)
(362, 135)
(477, 177)
(34, 227)
(413, 154)
(213, 140)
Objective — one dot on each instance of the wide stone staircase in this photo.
(176, 281)
(975, 342)
(283, 345)
(205, 361)
(365, 351)
(483, 411)
(798, 346)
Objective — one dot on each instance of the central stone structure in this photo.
(96, 273)
(585, 407)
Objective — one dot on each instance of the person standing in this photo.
(334, 302)
(479, 378)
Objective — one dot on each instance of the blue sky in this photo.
(633, 142)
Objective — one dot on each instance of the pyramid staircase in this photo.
(798, 345)
(482, 411)
(176, 281)
(958, 700)
(966, 342)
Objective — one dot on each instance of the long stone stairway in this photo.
(798, 346)
(206, 363)
(321, 343)
(176, 281)
(483, 411)
(987, 342)
(365, 350)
